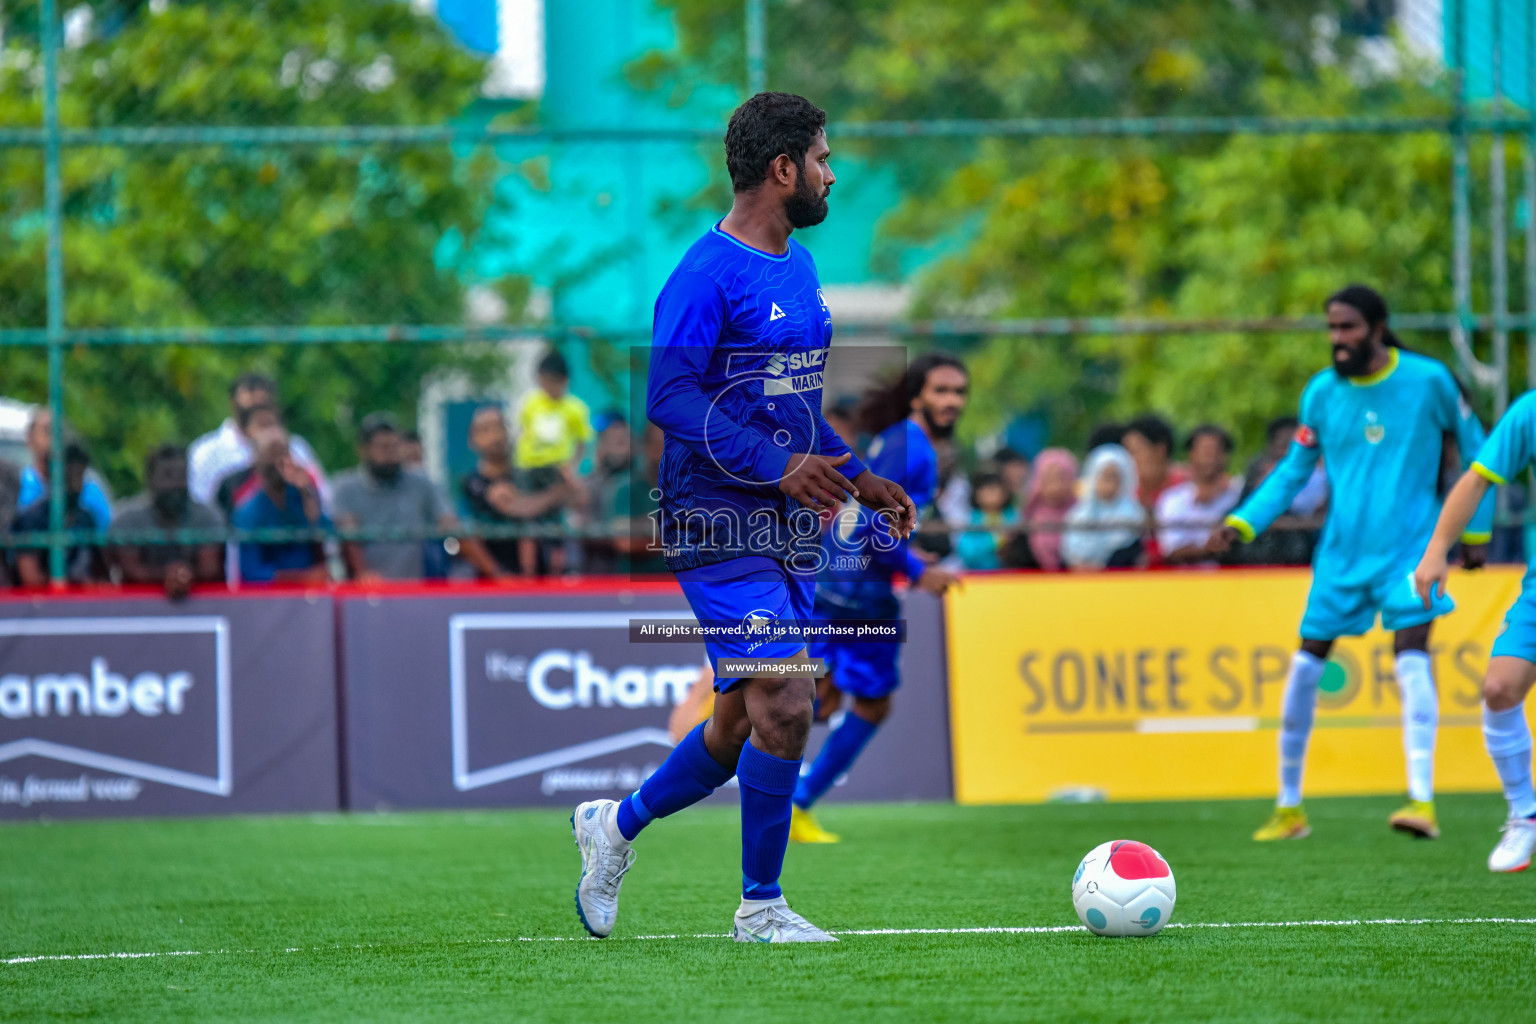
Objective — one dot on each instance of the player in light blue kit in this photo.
(1512, 667)
(741, 337)
(1383, 421)
(917, 408)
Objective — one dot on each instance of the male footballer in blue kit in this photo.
(740, 340)
(906, 417)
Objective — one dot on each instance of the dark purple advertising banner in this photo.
(136, 706)
(543, 700)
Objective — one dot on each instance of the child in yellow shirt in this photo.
(554, 428)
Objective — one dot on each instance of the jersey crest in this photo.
(1374, 431)
(776, 313)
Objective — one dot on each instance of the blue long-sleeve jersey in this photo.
(1380, 438)
(740, 342)
(861, 555)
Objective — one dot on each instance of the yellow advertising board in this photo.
(1168, 685)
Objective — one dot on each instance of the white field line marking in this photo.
(992, 930)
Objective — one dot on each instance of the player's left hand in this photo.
(1429, 578)
(1474, 556)
(878, 494)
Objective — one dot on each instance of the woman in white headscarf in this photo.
(1105, 527)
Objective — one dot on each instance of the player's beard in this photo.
(1358, 363)
(935, 430)
(805, 209)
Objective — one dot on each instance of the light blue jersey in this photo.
(1380, 439)
(1506, 454)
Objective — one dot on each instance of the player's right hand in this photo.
(813, 480)
(1429, 578)
(1222, 539)
(935, 581)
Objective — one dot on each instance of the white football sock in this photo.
(1421, 716)
(1296, 714)
(1509, 744)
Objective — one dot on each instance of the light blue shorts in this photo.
(1517, 637)
(1334, 610)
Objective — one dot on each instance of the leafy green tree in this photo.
(1198, 227)
(235, 235)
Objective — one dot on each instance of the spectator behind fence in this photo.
(1013, 467)
(994, 509)
(94, 498)
(82, 564)
(381, 494)
(1105, 433)
(607, 489)
(228, 449)
(952, 500)
(166, 505)
(412, 454)
(1188, 512)
(1051, 494)
(1277, 441)
(254, 422)
(1149, 440)
(491, 494)
(554, 427)
(1104, 528)
(287, 499)
(1281, 546)
(10, 487)
(639, 550)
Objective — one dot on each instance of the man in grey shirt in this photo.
(166, 505)
(382, 493)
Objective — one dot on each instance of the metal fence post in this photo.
(757, 46)
(1461, 201)
(53, 201)
(1498, 202)
(1530, 198)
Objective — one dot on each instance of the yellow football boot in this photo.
(1417, 818)
(803, 828)
(1285, 823)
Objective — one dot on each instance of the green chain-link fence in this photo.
(190, 187)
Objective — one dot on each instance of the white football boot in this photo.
(773, 921)
(605, 858)
(1514, 851)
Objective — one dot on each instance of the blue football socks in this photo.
(688, 775)
(837, 755)
(767, 783)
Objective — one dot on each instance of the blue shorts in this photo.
(739, 589)
(1335, 610)
(869, 670)
(1517, 637)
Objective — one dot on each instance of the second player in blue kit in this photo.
(741, 336)
(917, 408)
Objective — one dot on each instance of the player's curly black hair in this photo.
(766, 125)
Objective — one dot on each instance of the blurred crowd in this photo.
(252, 473)
(1138, 496)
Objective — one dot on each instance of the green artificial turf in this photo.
(419, 916)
